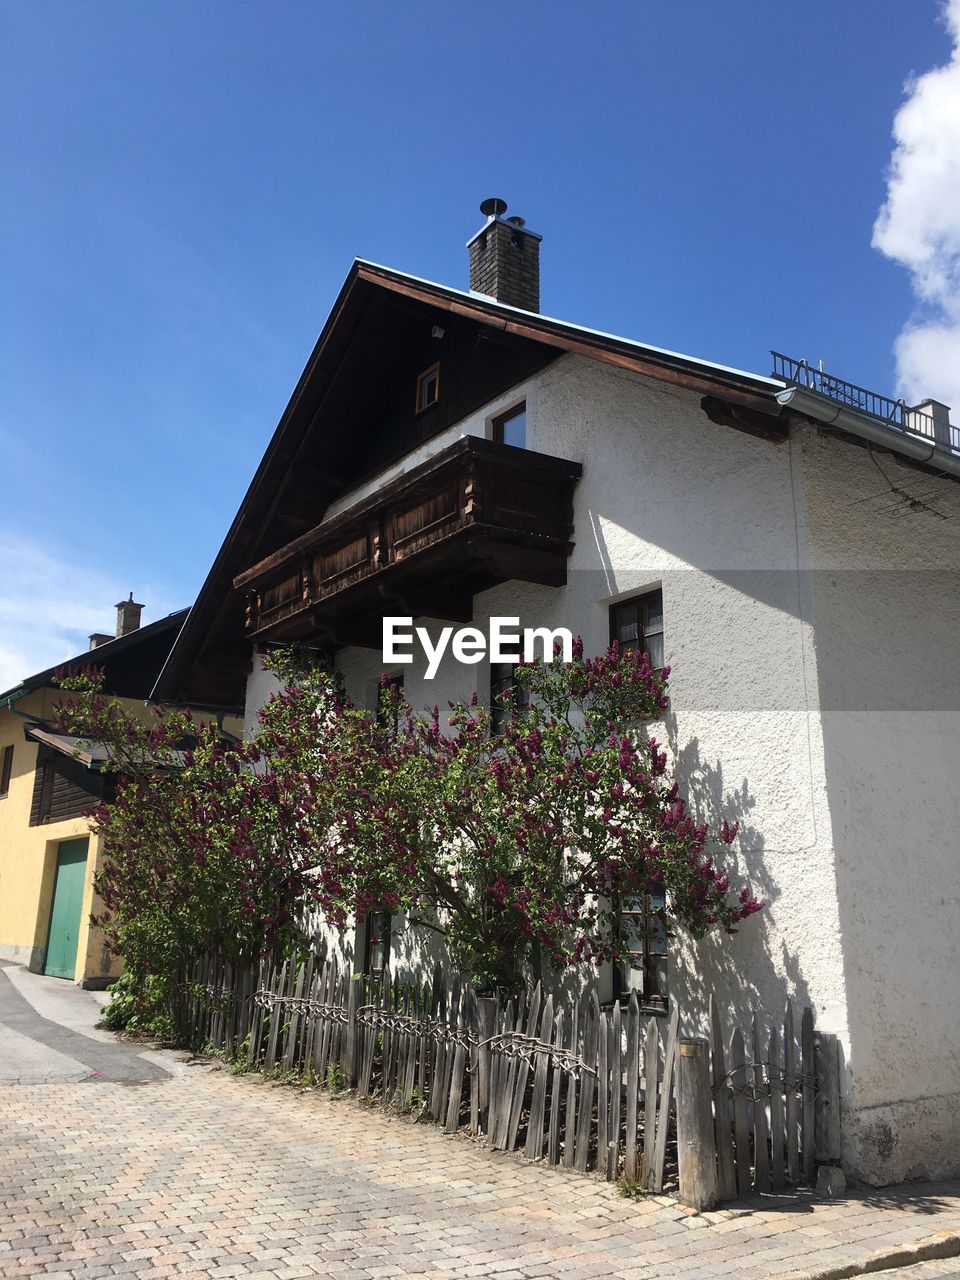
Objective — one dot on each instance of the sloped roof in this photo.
(82, 749)
(94, 755)
(641, 357)
(132, 662)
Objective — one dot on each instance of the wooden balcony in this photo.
(475, 514)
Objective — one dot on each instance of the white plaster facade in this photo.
(810, 620)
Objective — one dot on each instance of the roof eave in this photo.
(831, 413)
(540, 327)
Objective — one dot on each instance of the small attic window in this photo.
(428, 388)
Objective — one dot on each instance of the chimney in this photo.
(98, 638)
(505, 259)
(940, 413)
(128, 616)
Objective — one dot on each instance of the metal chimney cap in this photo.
(493, 208)
(519, 223)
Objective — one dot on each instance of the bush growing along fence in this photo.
(585, 1088)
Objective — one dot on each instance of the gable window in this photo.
(507, 697)
(642, 929)
(376, 943)
(428, 388)
(511, 427)
(5, 771)
(637, 623)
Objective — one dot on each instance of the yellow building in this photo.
(48, 854)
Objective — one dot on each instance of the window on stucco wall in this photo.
(643, 928)
(511, 427)
(637, 623)
(376, 943)
(508, 698)
(388, 710)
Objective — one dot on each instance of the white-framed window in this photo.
(376, 942)
(388, 712)
(428, 388)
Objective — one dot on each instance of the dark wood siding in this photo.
(369, 418)
(475, 366)
(62, 788)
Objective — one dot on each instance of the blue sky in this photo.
(185, 187)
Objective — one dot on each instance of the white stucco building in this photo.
(795, 556)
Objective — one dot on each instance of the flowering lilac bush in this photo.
(515, 845)
(196, 854)
(518, 845)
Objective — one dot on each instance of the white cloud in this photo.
(919, 226)
(49, 606)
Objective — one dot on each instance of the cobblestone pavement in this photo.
(944, 1269)
(209, 1174)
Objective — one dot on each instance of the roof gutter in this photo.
(822, 409)
(9, 703)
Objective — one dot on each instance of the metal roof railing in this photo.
(896, 414)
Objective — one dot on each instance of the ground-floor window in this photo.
(642, 928)
(376, 943)
(637, 623)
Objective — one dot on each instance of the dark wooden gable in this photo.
(131, 671)
(63, 788)
(350, 417)
(368, 417)
(130, 664)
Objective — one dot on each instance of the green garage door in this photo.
(67, 904)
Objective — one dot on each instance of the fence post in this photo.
(827, 1106)
(696, 1144)
(486, 1028)
(349, 1050)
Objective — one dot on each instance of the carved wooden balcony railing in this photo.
(475, 514)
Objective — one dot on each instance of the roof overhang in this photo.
(868, 428)
(88, 753)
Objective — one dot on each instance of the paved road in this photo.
(48, 1034)
(202, 1173)
(945, 1269)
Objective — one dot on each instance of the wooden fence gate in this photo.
(582, 1087)
(760, 1114)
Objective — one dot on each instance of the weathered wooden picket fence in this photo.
(582, 1087)
(776, 1108)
